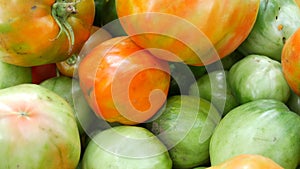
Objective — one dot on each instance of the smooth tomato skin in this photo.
(38, 129)
(290, 60)
(253, 161)
(119, 78)
(226, 24)
(43, 72)
(30, 35)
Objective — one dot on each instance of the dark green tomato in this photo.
(106, 17)
(182, 76)
(294, 103)
(185, 126)
(226, 62)
(214, 87)
(276, 21)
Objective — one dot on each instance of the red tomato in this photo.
(196, 31)
(41, 32)
(290, 60)
(123, 82)
(43, 72)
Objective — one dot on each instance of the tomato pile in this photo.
(150, 84)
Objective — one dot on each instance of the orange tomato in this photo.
(40, 32)
(290, 60)
(248, 161)
(197, 32)
(123, 82)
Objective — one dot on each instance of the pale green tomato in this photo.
(265, 127)
(11, 75)
(275, 23)
(126, 147)
(258, 77)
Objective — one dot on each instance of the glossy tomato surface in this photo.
(122, 82)
(197, 32)
(290, 60)
(40, 32)
(253, 161)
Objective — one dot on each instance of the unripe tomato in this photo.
(123, 82)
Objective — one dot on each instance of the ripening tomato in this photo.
(253, 161)
(41, 32)
(198, 32)
(123, 82)
(68, 67)
(290, 60)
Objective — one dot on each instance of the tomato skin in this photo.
(225, 23)
(290, 60)
(30, 35)
(38, 129)
(253, 161)
(118, 77)
(43, 72)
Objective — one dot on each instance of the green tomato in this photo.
(185, 125)
(106, 17)
(294, 103)
(182, 76)
(258, 77)
(12, 75)
(264, 127)
(215, 88)
(37, 129)
(67, 88)
(276, 21)
(126, 147)
(226, 62)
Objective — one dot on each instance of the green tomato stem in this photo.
(61, 10)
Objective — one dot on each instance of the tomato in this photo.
(266, 127)
(38, 129)
(276, 21)
(129, 147)
(41, 32)
(123, 82)
(258, 77)
(252, 161)
(290, 60)
(196, 32)
(43, 72)
(180, 127)
(68, 67)
(11, 75)
(214, 87)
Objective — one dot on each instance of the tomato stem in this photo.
(61, 10)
